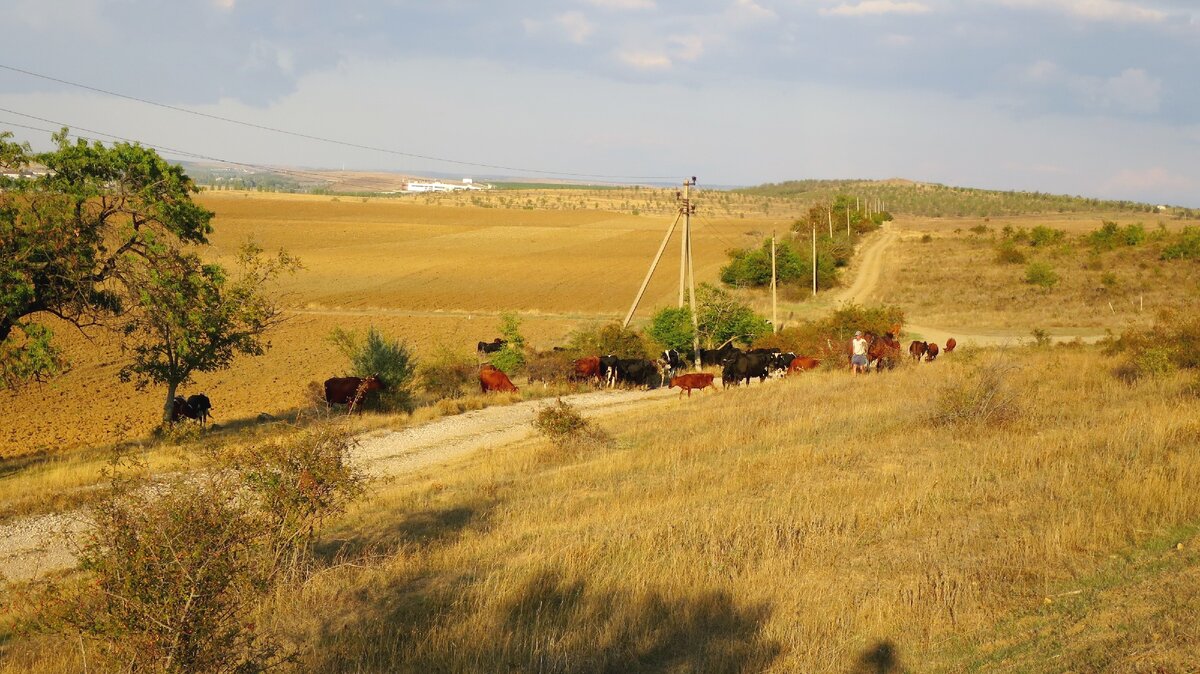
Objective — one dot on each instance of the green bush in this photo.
(751, 268)
(1042, 236)
(723, 317)
(550, 366)
(672, 328)
(375, 354)
(1185, 247)
(1172, 342)
(1041, 274)
(511, 358)
(1111, 235)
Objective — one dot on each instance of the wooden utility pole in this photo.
(829, 217)
(683, 248)
(645, 282)
(774, 292)
(688, 209)
(814, 260)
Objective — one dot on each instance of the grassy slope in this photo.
(800, 527)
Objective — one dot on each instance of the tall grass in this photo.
(819, 524)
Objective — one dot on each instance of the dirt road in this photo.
(36, 545)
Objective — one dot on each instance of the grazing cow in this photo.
(802, 363)
(931, 352)
(195, 406)
(671, 362)
(639, 372)
(351, 390)
(492, 346)
(695, 380)
(718, 356)
(608, 370)
(493, 379)
(587, 368)
(917, 350)
(745, 366)
(950, 344)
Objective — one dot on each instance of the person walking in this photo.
(858, 353)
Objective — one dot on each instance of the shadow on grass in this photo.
(424, 529)
(881, 658)
(552, 624)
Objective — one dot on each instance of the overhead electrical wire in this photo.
(323, 139)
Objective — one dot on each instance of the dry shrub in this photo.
(552, 367)
(177, 569)
(448, 373)
(563, 425)
(1172, 342)
(982, 395)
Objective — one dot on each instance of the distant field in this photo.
(953, 279)
(436, 275)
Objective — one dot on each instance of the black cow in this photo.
(718, 356)
(608, 369)
(745, 366)
(639, 372)
(196, 406)
(492, 346)
(671, 362)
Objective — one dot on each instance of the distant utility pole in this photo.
(688, 209)
(829, 217)
(814, 261)
(774, 295)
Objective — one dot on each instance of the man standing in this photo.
(858, 353)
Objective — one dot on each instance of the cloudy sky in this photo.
(1092, 97)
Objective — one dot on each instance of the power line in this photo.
(361, 182)
(333, 141)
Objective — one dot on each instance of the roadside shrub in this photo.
(175, 576)
(447, 374)
(389, 358)
(1041, 274)
(983, 395)
(550, 366)
(562, 424)
(723, 317)
(1041, 338)
(1007, 253)
(511, 358)
(606, 339)
(671, 328)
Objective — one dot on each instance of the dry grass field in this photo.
(436, 275)
(944, 274)
(821, 524)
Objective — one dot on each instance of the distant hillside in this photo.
(934, 200)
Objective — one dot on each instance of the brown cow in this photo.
(587, 368)
(687, 382)
(931, 352)
(802, 363)
(351, 390)
(884, 351)
(950, 344)
(917, 350)
(492, 379)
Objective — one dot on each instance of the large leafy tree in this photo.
(70, 236)
(189, 316)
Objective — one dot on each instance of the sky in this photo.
(1093, 97)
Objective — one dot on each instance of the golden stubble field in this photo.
(435, 274)
(952, 279)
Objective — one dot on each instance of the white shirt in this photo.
(860, 346)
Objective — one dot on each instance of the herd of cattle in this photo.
(737, 367)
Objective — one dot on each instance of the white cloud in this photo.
(874, 7)
(687, 47)
(1155, 179)
(896, 40)
(575, 26)
(1131, 91)
(645, 60)
(624, 4)
(752, 10)
(225, 4)
(1095, 10)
